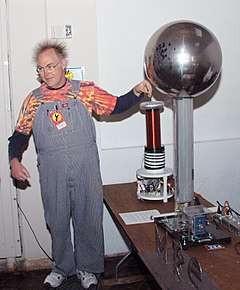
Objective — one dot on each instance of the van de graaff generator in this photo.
(183, 60)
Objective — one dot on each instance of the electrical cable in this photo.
(26, 219)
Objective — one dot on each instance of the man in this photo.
(58, 113)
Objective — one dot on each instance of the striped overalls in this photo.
(71, 185)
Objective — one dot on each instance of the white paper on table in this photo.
(139, 217)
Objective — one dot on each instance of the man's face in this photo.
(51, 68)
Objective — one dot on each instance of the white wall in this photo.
(122, 38)
(124, 28)
(109, 38)
(10, 245)
(24, 32)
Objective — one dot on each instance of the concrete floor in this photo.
(132, 276)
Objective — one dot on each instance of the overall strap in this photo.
(37, 93)
(75, 85)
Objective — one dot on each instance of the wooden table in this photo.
(221, 268)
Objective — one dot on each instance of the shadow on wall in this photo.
(205, 97)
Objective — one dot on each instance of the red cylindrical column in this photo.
(154, 153)
(153, 128)
(152, 112)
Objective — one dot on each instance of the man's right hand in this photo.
(18, 171)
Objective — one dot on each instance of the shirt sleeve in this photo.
(27, 114)
(104, 104)
(126, 101)
(97, 99)
(18, 143)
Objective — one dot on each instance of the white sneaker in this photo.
(87, 279)
(54, 279)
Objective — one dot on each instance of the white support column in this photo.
(183, 148)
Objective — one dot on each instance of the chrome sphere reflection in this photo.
(182, 55)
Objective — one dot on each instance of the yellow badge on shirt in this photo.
(58, 119)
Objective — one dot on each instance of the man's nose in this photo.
(46, 71)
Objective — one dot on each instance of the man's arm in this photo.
(18, 142)
(126, 101)
(130, 99)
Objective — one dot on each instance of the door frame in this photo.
(10, 242)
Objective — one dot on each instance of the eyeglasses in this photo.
(48, 68)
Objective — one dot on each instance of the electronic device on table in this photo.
(192, 226)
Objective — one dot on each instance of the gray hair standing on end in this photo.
(59, 47)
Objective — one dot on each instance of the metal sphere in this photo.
(182, 55)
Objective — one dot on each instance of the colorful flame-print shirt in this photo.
(94, 98)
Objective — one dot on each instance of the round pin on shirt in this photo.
(58, 119)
